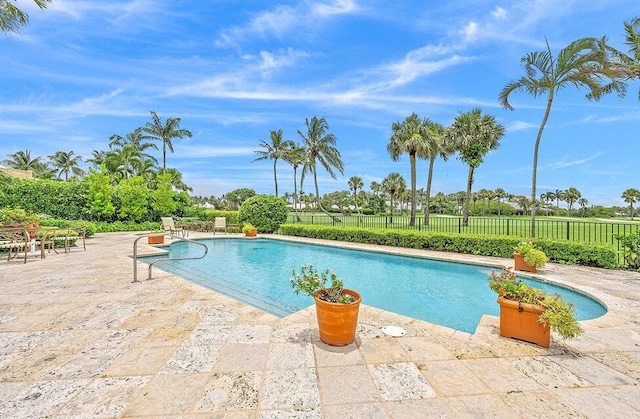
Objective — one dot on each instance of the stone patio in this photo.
(78, 339)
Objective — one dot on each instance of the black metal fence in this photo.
(581, 231)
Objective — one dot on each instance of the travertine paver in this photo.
(78, 339)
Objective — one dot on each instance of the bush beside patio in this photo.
(566, 252)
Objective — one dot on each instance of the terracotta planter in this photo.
(337, 322)
(252, 233)
(520, 321)
(156, 239)
(521, 265)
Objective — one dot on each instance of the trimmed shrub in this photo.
(567, 252)
(265, 212)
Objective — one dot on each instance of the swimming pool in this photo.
(257, 272)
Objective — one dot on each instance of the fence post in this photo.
(568, 227)
(507, 226)
(459, 225)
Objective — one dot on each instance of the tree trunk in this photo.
(295, 195)
(275, 178)
(465, 213)
(315, 181)
(535, 164)
(428, 200)
(412, 159)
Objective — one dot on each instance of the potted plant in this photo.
(527, 257)
(156, 237)
(336, 307)
(249, 230)
(528, 313)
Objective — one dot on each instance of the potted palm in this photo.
(249, 230)
(529, 314)
(337, 308)
(527, 257)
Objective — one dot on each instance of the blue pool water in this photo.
(257, 272)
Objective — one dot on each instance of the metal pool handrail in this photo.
(135, 253)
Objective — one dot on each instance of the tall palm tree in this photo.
(631, 195)
(164, 133)
(356, 183)
(437, 145)
(320, 148)
(274, 151)
(12, 19)
(296, 157)
(407, 138)
(393, 184)
(65, 163)
(475, 135)
(583, 63)
(571, 195)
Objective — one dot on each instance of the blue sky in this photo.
(233, 70)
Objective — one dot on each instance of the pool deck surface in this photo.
(78, 339)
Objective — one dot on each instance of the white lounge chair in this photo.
(168, 225)
(220, 223)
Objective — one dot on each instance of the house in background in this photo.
(23, 174)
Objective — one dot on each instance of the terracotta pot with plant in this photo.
(249, 230)
(337, 308)
(527, 257)
(529, 314)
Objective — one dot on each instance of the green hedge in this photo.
(500, 246)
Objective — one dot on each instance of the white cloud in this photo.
(563, 164)
(208, 151)
(284, 20)
(499, 13)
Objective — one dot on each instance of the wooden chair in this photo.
(220, 223)
(15, 240)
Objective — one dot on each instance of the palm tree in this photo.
(123, 161)
(296, 157)
(583, 202)
(406, 138)
(393, 184)
(475, 135)
(583, 63)
(13, 19)
(164, 133)
(320, 148)
(376, 188)
(631, 195)
(273, 151)
(571, 195)
(356, 183)
(66, 163)
(632, 30)
(22, 160)
(136, 140)
(559, 196)
(437, 145)
(500, 195)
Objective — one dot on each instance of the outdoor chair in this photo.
(15, 240)
(220, 223)
(77, 230)
(168, 225)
